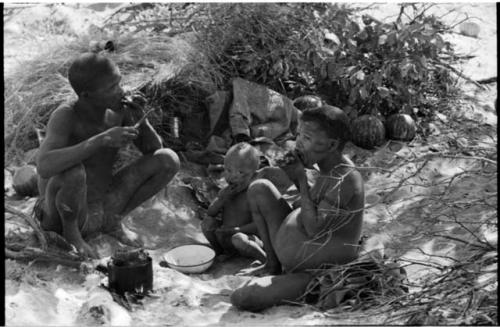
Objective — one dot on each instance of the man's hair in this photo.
(251, 153)
(332, 120)
(86, 69)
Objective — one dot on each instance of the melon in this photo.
(368, 132)
(401, 127)
(307, 102)
(25, 181)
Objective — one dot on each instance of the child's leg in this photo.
(208, 227)
(269, 210)
(249, 246)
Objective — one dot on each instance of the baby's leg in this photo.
(249, 246)
(208, 227)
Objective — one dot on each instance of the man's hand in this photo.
(134, 105)
(119, 136)
(294, 168)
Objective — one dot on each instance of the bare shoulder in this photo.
(276, 176)
(354, 179)
(61, 125)
(64, 114)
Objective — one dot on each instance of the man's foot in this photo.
(123, 238)
(262, 270)
(85, 250)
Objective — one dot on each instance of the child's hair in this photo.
(332, 120)
(246, 149)
(86, 69)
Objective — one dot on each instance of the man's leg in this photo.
(248, 246)
(138, 182)
(66, 207)
(269, 210)
(265, 292)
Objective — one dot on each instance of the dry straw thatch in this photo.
(151, 63)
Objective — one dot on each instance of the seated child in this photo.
(234, 231)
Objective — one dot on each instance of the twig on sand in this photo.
(31, 222)
(487, 80)
(30, 253)
(459, 73)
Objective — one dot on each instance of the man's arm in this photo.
(148, 140)
(55, 155)
(308, 217)
(333, 210)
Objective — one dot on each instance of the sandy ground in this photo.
(48, 294)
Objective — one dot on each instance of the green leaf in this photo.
(383, 91)
(423, 61)
(353, 80)
(332, 37)
(363, 35)
(333, 70)
(350, 69)
(363, 92)
(355, 27)
(382, 39)
(392, 38)
(324, 70)
(360, 75)
(345, 83)
(353, 96)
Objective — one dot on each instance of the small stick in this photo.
(31, 222)
(140, 121)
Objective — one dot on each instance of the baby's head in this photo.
(240, 163)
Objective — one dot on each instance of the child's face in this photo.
(108, 93)
(238, 170)
(313, 143)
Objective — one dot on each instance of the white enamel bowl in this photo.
(190, 259)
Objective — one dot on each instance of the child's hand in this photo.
(231, 190)
(226, 231)
(210, 223)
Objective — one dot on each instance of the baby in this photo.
(235, 232)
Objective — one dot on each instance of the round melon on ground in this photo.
(368, 132)
(401, 127)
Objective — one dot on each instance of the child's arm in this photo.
(249, 228)
(218, 204)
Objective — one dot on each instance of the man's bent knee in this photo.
(169, 160)
(259, 188)
(73, 176)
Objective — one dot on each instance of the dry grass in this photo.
(170, 70)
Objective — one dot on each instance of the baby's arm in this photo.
(218, 204)
(249, 228)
